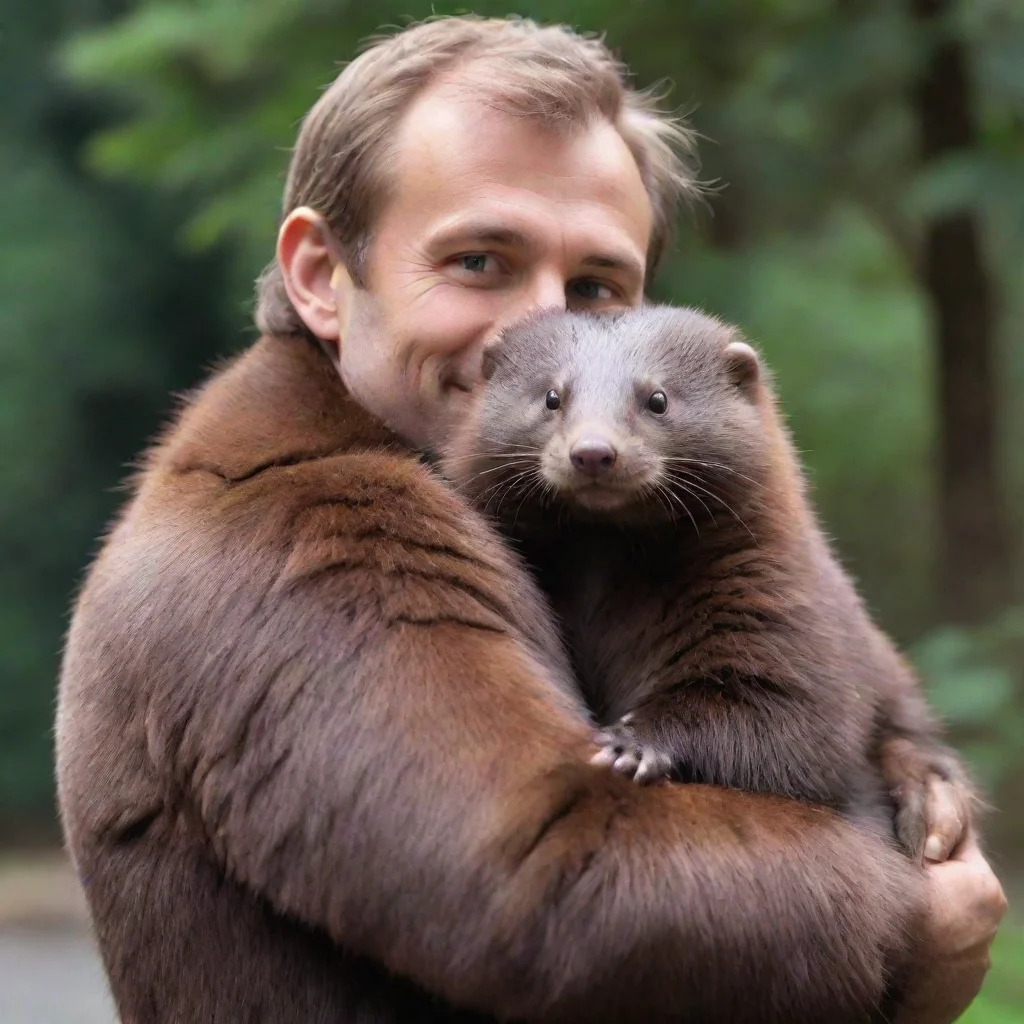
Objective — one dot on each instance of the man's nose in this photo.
(593, 455)
(541, 292)
(546, 291)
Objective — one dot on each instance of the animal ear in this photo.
(490, 359)
(742, 365)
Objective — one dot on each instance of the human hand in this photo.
(965, 905)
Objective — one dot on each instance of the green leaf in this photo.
(972, 695)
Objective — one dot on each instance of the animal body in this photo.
(321, 759)
(641, 459)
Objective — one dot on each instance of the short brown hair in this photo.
(549, 73)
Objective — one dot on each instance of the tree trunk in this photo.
(974, 557)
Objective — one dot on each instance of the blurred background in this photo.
(867, 230)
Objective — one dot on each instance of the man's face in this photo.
(489, 218)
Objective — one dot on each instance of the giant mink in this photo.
(641, 459)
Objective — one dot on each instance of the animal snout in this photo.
(593, 456)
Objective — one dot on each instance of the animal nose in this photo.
(593, 456)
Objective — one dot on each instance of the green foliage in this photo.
(216, 90)
(94, 333)
(976, 682)
(1002, 999)
(56, 281)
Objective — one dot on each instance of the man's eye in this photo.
(591, 291)
(476, 262)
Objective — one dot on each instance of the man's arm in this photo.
(339, 689)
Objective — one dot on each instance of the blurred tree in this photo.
(975, 565)
(94, 333)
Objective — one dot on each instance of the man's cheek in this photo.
(448, 318)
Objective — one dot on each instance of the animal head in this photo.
(655, 408)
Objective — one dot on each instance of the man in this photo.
(314, 758)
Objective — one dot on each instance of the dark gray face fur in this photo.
(604, 448)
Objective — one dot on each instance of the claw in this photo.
(653, 766)
(621, 752)
(606, 756)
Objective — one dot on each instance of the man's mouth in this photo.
(459, 383)
(464, 375)
(456, 383)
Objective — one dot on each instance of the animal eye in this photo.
(551, 400)
(658, 402)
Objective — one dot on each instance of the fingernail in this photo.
(933, 848)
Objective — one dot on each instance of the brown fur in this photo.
(711, 625)
(320, 760)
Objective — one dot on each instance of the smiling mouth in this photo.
(460, 380)
(456, 384)
(464, 374)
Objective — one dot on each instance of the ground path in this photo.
(49, 970)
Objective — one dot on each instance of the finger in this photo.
(627, 763)
(946, 819)
(967, 902)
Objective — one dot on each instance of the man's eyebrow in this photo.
(614, 261)
(481, 233)
(490, 233)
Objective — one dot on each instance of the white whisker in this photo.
(690, 482)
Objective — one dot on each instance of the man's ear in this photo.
(314, 276)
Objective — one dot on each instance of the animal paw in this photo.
(933, 800)
(623, 752)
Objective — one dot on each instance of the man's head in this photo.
(454, 178)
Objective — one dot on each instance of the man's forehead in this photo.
(454, 152)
